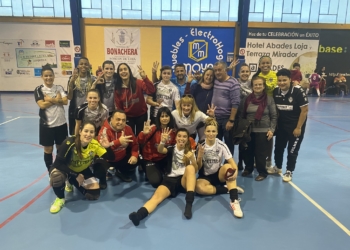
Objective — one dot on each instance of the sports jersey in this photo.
(288, 106)
(108, 96)
(213, 156)
(97, 116)
(177, 165)
(246, 88)
(150, 144)
(68, 157)
(314, 79)
(52, 116)
(185, 122)
(271, 81)
(169, 93)
(81, 93)
(182, 87)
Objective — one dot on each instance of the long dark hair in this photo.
(259, 69)
(171, 123)
(77, 137)
(119, 82)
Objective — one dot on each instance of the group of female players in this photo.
(168, 156)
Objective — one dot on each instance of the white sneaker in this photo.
(239, 190)
(274, 170)
(236, 207)
(287, 176)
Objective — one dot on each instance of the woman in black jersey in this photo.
(74, 161)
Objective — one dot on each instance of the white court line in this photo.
(10, 120)
(29, 116)
(331, 217)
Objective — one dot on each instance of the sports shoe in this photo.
(236, 207)
(239, 190)
(287, 176)
(274, 170)
(69, 187)
(57, 205)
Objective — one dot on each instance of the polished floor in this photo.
(310, 213)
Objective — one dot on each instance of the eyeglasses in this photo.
(188, 95)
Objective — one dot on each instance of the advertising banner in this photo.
(332, 53)
(19, 57)
(197, 48)
(285, 47)
(122, 45)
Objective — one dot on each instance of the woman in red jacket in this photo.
(129, 96)
(150, 137)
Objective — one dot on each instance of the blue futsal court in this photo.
(312, 212)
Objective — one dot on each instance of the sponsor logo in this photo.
(290, 99)
(37, 72)
(331, 49)
(35, 43)
(65, 44)
(4, 42)
(122, 37)
(23, 72)
(198, 50)
(8, 72)
(50, 43)
(66, 58)
(20, 43)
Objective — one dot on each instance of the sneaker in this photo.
(274, 170)
(239, 190)
(122, 176)
(57, 205)
(287, 176)
(268, 164)
(236, 207)
(69, 187)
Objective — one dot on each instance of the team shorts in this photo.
(212, 178)
(174, 185)
(50, 136)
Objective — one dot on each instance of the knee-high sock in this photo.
(189, 201)
(48, 160)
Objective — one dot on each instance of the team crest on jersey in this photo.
(290, 99)
(68, 142)
(91, 153)
(271, 79)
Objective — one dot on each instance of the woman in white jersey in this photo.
(166, 95)
(180, 175)
(53, 126)
(188, 116)
(212, 174)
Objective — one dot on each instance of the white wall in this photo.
(34, 32)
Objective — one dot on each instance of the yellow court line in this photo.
(331, 217)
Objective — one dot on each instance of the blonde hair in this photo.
(211, 122)
(188, 99)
